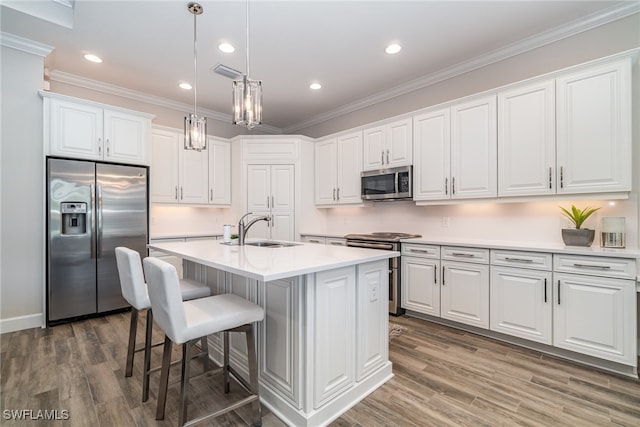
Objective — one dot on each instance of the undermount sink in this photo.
(270, 244)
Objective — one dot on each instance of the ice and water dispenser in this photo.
(74, 218)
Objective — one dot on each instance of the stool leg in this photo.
(204, 343)
(133, 328)
(147, 356)
(164, 378)
(253, 375)
(184, 384)
(225, 361)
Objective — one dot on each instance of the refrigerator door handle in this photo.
(99, 219)
(93, 221)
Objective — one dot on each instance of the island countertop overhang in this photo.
(267, 264)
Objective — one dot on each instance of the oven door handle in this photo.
(384, 246)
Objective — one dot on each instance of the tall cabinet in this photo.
(272, 183)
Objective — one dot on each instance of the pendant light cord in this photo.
(195, 67)
(247, 37)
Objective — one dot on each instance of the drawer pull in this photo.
(420, 251)
(462, 254)
(337, 243)
(545, 290)
(518, 260)
(597, 267)
(314, 241)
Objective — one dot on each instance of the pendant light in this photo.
(195, 128)
(247, 95)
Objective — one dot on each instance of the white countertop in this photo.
(531, 247)
(267, 264)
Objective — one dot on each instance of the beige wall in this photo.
(21, 192)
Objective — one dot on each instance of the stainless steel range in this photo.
(390, 242)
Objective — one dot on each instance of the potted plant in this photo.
(578, 236)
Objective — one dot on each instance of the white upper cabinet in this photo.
(594, 129)
(388, 145)
(474, 149)
(432, 148)
(164, 173)
(338, 164)
(527, 140)
(455, 151)
(219, 171)
(177, 175)
(97, 132)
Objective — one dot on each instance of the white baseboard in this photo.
(22, 322)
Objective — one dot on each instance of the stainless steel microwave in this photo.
(387, 184)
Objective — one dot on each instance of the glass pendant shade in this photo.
(195, 132)
(247, 102)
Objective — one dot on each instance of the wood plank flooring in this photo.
(443, 377)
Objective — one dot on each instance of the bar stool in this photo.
(134, 290)
(186, 322)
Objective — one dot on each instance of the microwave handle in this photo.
(397, 177)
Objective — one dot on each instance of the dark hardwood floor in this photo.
(443, 377)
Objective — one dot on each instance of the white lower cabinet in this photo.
(594, 314)
(278, 361)
(333, 371)
(420, 279)
(372, 318)
(464, 295)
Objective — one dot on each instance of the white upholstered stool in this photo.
(134, 290)
(187, 322)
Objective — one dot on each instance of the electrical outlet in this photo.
(373, 293)
(445, 221)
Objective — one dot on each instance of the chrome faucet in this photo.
(242, 228)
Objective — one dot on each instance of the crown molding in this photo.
(98, 86)
(24, 45)
(542, 39)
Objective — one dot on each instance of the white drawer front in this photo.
(423, 251)
(533, 260)
(595, 266)
(459, 253)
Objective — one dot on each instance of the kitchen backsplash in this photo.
(186, 220)
(538, 222)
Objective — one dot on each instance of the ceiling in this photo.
(147, 46)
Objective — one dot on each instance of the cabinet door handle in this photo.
(338, 194)
(558, 291)
(176, 196)
(382, 157)
(596, 267)
(435, 275)
(181, 193)
(545, 290)
(453, 185)
(107, 141)
(446, 186)
(550, 178)
(561, 177)
(518, 260)
(443, 275)
(387, 156)
(334, 194)
(100, 146)
(211, 194)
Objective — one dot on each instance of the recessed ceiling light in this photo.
(393, 48)
(315, 86)
(185, 86)
(93, 58)
(226, 48)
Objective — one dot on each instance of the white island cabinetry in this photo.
(323, 345)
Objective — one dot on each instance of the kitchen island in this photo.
(323, 344)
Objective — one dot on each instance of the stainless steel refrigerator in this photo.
(92, 209)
